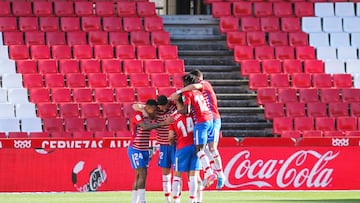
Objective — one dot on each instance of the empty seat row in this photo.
(309, 95)
(313, 109)
(258, 38)
(81, 8)
(99, 95)
(336, 39)
(268, 52)
(61, 135)
(17, 125)
(14, 95)
(65, 66)
(163, 52)
(330, 24)
(339, 124)
(265, 24)
(260, 9)
(18, 110)
(345, 53)
(85, 23)
(82, 38)
(95, 80)
(337, 9)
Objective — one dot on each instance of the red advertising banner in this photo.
(80, 165)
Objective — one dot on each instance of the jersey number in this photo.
(189, 126)
(201, 102)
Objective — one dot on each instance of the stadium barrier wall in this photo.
(57, 165)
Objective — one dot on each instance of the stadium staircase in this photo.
(203, 47)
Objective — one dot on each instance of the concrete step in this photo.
(190, 20)
(232, 96)
(237, 103)
(205, 53)
(211, 60)
(234, 89)
(246, 133)
(241, 110)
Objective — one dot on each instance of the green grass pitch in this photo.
(209, 197)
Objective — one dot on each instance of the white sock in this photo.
(176, 188)
(141, 193)
(192, 187)
(218, 163)
(204, 163)
(167, 187)
(199, 192)
(210, 157)
(134, 196)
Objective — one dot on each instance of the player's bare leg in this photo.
(141, 174)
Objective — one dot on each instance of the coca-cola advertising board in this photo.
(104, 166)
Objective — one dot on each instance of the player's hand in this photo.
(174, 96)
(169, 120)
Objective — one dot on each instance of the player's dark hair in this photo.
(180, 99)
(189, 79)
(162, 100)
(196, 72)
(151, 102)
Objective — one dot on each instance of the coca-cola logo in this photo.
(340, 142)
(96, 178)
(302, 168)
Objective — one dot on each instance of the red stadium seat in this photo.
(111, 66)
(34, 38)
(255, 38)
(53, 125)
(83, 8)
(272, 110)
(63, 8)
(103, 52)
(145, 52)
(153, 66)
(139, 38)
(125, 94)
(82, 95)
(281, 124)
(76, 38)
(283, 9)
(279, 80)
(132, 66)
(313, 66)
(266, 95)
(145, 93)
(61, 135)
(75, 80)
(69, 66)
(166, 52)
(112, 24)
(337, 109)
(47, 66)
(298, 39)
(248, 67)
(243, 53)
(96, 124)
(241, 8)
(139, 80)
(291, 66)
(250, 23)
(177, 80)
(17, 52)
(258, 80)
(54, 80)
(132, 24)
(98, 38)
(74, 124)
(49, 24)
(38, 95)
(342, 80)
(304, 123)
(118, 38)
(55, 38)
(61, 95)
(21, 8)
(302, 9)
(103, 95)
(90, 66)
(47, 110)
(104, 8)
(70, 24)
(286, 95)
(350, 95)
(262, 9)
(305, 52)
(269, 24)
(160, 80)
(295, 109)
(325, 123)
(284, 52)
(5, 9)
(329, 95)
(308, 95)
(278, 39)
(125, 9)
(82, 52)
(116, 124)
(90, 23)
(42, 8)
(235, 38)
(110, 110)
(290, 24)
(117, 80)
(316, 109)
(160, 38)
(39, 134)
(26, 66)
(33, 81)
(153, 23)
(8, 24)
(264, 52)
(229, 24)
(96, 80)
(174, 66)
(13, 38)
(82, 135)
(69, 110)
(271, 66)
(40, 52)
(321, 80)
(220, 9)
(301, 80)
(346, 123)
